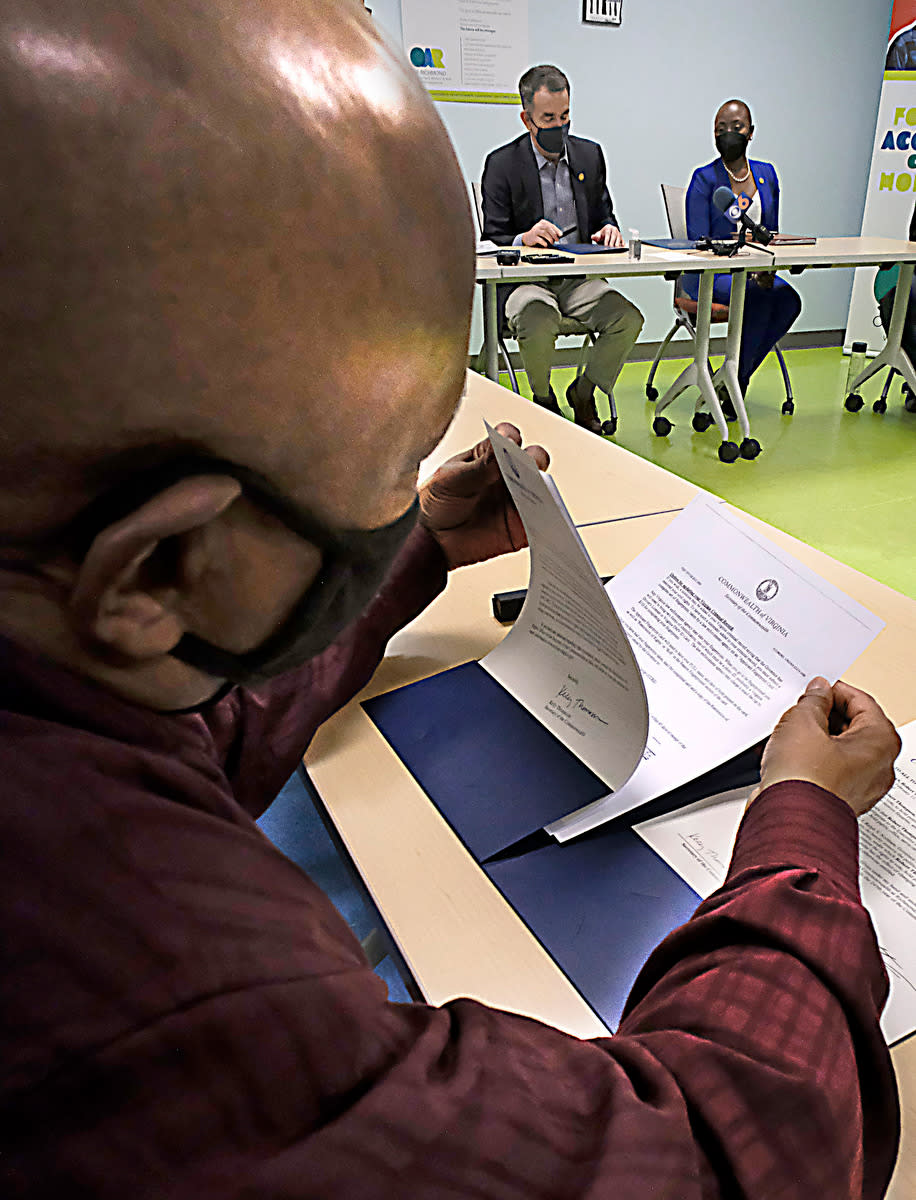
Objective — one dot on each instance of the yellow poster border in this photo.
(900, 74)
(475, 97)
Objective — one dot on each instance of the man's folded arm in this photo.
(749, 1061)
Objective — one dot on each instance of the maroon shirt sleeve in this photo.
(749, 1061)
(778, 984)
(188, 1017)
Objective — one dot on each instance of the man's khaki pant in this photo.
(533, 312)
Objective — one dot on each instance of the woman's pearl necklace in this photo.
(743, 179)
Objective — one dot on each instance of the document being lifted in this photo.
(688, 657)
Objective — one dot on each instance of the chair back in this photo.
(675, 199)
(477, 193)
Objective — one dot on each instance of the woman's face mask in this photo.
(731, 145)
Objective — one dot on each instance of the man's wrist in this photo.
(797, 823)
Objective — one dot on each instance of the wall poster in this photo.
(892, 180)
(468, 50)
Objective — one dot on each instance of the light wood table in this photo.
(455, 931)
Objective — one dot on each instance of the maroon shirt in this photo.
(184, 1015)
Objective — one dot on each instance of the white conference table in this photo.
(825, 253)
(864, 252)
(654, 260)
(454, 930)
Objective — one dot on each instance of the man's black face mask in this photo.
(552, 138)
(353, 565)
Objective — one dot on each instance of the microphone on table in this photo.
(735, 208)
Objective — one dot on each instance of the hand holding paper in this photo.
(697, 840)
(466, 507)
(838, 738)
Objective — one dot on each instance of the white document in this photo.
(708, 636)
(887, 878)
(727, 629)
(566, 658)
(697, 842)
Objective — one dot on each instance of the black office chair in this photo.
(685, 308)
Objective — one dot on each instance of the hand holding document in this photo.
(697, 841)
(837, 737)
(699, 646)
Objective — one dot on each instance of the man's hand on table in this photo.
(466, 507)
(838, 738)
(608, 235)
(543, 233)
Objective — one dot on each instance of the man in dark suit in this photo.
(540, 190)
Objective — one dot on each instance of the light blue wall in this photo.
(811, 72)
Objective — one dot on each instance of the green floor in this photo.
(843, 482)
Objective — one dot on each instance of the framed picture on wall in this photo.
(602, 12)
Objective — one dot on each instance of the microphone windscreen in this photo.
(723, 198)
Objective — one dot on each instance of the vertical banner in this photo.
(892, 181)
(467, 50)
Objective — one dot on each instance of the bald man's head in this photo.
(233, 228)
(233, 232)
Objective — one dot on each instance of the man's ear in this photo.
(123, 596)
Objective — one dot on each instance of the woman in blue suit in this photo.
(771, 305)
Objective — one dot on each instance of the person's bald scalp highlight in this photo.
(234, 227)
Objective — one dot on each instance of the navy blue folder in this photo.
(590, 248)
(493, 771)
(598, 905)
(672, 243)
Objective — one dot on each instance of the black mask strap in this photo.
(351, 572)
(353, 565)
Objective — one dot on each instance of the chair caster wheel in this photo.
(702, 421)
(750, 448)
(728, 452)
(788, 408)
(909, 400)
(651, 393)
(661, 426)
(880, 405)
(609, 428)
(854, 402)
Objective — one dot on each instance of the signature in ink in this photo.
(894, 967)
(576, 704)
